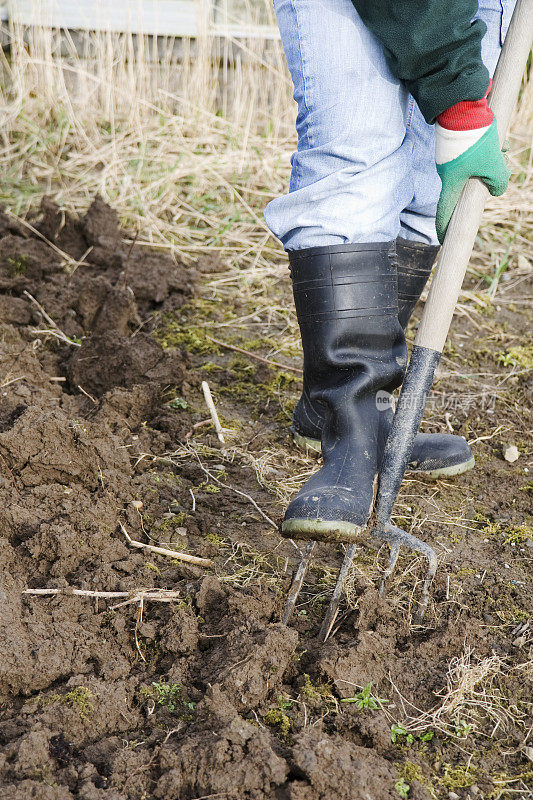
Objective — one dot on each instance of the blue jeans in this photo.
(364, 170)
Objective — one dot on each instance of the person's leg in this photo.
(339, 222)
(418, 218)
(350, 173)
(351, 177)
(349, 182)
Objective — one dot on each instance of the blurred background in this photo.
(179, 113)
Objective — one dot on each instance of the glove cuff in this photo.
(467, 115)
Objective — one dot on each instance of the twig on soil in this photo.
(212, 410)
(56, 330)
(254, 355)
(47, 317)
(91, 398)
(11, 380)
(196, 426)
(79, 592)
(138, 621)
(499, 429)
(58, 335)
(156, 595)
(132, 245)
(163, 551)
(217, 796)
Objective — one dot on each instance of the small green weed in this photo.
(284, 701)
(17, 266)
(178, 403)
(168, 695)
(397, 732)
(462, 729)
(402, 787)
(365, 699)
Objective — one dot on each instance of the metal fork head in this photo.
(396, 538)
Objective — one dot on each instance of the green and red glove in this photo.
(467, 146)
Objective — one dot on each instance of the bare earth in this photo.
(210, 695)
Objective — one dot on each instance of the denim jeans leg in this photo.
(418, 218)
(351, 171)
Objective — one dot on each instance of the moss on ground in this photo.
(409, 772)
(79, 698)
(254, 391)
(194, 338)
(520, 357)
(278, 719)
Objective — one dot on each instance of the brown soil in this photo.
(210, 695)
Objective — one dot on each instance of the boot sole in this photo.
(322, 531)
(449, 472)
(314, 445)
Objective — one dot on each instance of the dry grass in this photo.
(149, 135)
(474, 700)
(188, 147)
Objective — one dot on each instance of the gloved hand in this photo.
(467, 146)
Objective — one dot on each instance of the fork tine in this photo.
(297, 582)
(423, 604)
(333, 609)
(396, 538)
(393, 558)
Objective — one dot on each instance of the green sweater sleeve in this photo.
(432, 46)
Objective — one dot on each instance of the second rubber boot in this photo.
(440, 454)
(414, 261)
(354, 346)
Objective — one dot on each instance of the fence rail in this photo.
(165, 18)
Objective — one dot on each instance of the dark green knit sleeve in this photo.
(432, 46)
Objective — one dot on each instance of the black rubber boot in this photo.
(354, 346)
(414, 261)
(439, 454)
